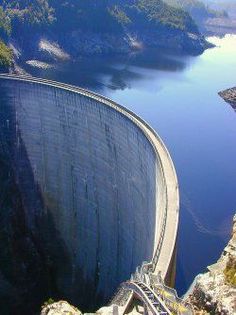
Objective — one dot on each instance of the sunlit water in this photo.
(177, 95)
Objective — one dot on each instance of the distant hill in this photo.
(98, 26)
(223, 19)
(199, 10)
(228, 5)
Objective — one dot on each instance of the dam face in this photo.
(82, 196)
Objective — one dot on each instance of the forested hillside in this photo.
(5, 30)
(99, 16)
(91, 23)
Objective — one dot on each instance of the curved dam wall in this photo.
(89, 192)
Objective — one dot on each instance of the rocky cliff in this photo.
(44, 51)
(215, 291)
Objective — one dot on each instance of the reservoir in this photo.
(177, 95)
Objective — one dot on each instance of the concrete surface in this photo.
(104, 177)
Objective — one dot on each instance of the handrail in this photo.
(170, 296)
(154, 303)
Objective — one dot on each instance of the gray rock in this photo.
(60, 308)
(229, 96)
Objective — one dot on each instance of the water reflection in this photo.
(116, 73)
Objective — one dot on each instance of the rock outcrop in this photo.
(215, 291)
(229, 96)
(64, 308)
(59, 308)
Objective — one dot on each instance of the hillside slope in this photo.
(96, 26)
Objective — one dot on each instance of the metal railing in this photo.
(148, 296)
(166, 294)
(170, 296)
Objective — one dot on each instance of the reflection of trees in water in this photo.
(158, 60)
(124, 71)
(121, 79)
(118, 73)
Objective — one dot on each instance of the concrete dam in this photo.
(88, 193)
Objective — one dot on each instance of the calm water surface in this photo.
(177, 95)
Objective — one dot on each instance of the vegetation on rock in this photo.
(5, 24)
(230, 272)
(6, 56)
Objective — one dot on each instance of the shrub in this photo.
(230, 272)
(6, 55)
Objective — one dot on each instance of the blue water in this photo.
(177, 95)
